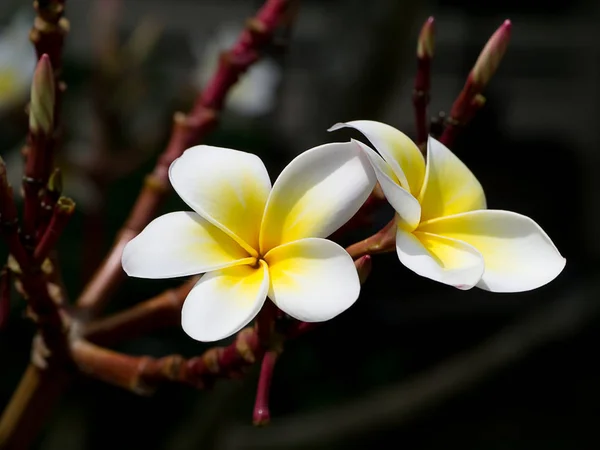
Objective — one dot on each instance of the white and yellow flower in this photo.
(444, 230)
(252, 240)
(17, 61)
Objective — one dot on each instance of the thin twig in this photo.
(63, 210)
(261, 414)
(161, 311)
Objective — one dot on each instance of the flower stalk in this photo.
(469, 101)
(261, 414)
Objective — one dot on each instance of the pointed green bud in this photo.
(55, 182)
(41, 110)
(426, 42)
(491, 55)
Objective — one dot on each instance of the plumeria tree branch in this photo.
(425, 50)
(187, 130)
(143, 374)
(161, 311)
(38, 276)
(470, 99)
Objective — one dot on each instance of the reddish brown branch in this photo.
(187, 130)
(143, 374)
(162, 311)
(9, 219)
(62, 213)
(50, 196)
(425, 48)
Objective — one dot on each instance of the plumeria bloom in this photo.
(252, 240)
(444, 231)
(17, 61)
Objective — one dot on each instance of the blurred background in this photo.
(412, 364)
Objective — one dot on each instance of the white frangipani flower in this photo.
(255, 93)
(17, 61)
(252, 240)
(444, 230)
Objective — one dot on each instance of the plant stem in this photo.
(381, 242)
(63, 210)
(261, 414)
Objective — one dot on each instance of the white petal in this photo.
(224, 301)
(450, 187)
(180, 244)
(399, 151)
(227, 187)
(518, 254)
(316, 194)
(448, 261)
(407, 206)
(312, 279)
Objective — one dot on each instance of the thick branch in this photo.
(143, 374)
(187, 130)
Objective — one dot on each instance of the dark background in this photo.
(413, 364)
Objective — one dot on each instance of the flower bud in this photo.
(491, 55)
(41, 111)
(426, 42)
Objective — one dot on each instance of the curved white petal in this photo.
(448, 261)
(227, 187)
(224, 301)
(312, 279)
(407, 206)
(316, 194)
(399, 151)
(449, 187)
(518, 254)
(179, 244)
